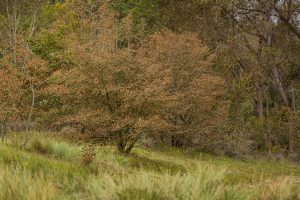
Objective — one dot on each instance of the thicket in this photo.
(214, 75)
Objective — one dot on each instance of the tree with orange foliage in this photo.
(22, 71)
(123, 89)
(181, 66)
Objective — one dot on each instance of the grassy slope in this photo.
(237, 171)
(55, 172)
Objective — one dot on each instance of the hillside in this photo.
(50, 168)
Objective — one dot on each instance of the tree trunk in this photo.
(260, 113)
(293, 98)
(279, 86)
(260, 101)
(291, 122)
(276, 77)
(29, 119)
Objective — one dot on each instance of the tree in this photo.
(25, 71)
(188, 87)
(256, 48)
(124, 86)
(107, 85)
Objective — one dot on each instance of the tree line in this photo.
(221, 76)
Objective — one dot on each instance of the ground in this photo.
(52, 168)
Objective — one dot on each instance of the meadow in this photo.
(52, 168)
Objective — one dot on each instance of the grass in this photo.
(203, 183)
(16, 183)
(49, 168)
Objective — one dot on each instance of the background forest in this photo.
(214, 75)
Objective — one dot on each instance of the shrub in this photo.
(88, 155)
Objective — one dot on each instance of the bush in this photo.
(88, 155)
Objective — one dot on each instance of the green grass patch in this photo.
(50, 168)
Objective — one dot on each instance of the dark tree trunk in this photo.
(260, 112)
(279, 86)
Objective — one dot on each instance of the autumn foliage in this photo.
(200, 74)
(157, 86)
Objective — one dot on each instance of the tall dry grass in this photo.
(49, 169)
